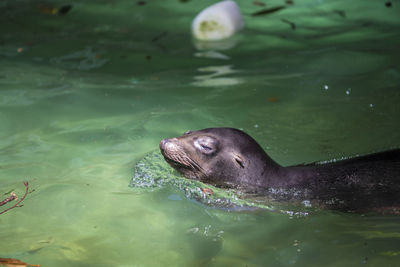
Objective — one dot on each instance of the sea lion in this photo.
(227, 157)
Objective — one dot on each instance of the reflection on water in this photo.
(220, 45)
(211, 54)
(214, 79)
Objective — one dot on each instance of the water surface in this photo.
(86, 96)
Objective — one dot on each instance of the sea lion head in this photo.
(220, 156)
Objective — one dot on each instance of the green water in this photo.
(86, 96)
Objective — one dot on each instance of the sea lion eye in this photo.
(206, 144)
(207, 148)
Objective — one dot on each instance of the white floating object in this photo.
(218, 21)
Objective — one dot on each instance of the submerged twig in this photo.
(267, 11)
(17, 205)
(341, 13)
(158, 37)
(292, 25)
(10, 198)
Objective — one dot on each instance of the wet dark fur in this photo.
(228, 157)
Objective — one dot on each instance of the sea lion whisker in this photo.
(195, 165)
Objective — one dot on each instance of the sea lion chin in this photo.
(227, 157)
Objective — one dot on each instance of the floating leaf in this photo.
(48, 10)
(272, 99)
(207, 191)
(64, 10)
(55, 11)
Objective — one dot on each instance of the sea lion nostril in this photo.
(163, 142)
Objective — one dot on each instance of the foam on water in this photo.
(152, 173)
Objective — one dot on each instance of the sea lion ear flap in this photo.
(237, 158)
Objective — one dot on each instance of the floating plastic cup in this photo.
(218, 21)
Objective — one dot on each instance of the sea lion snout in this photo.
(162, 143)
(174, 153)
(168, 144)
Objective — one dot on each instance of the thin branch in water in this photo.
(292, 25)
(17, 205)
(10, 198)
(267, 11)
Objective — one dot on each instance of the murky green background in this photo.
(85, 96)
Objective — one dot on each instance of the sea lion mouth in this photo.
(174, 163)
(182, 161)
